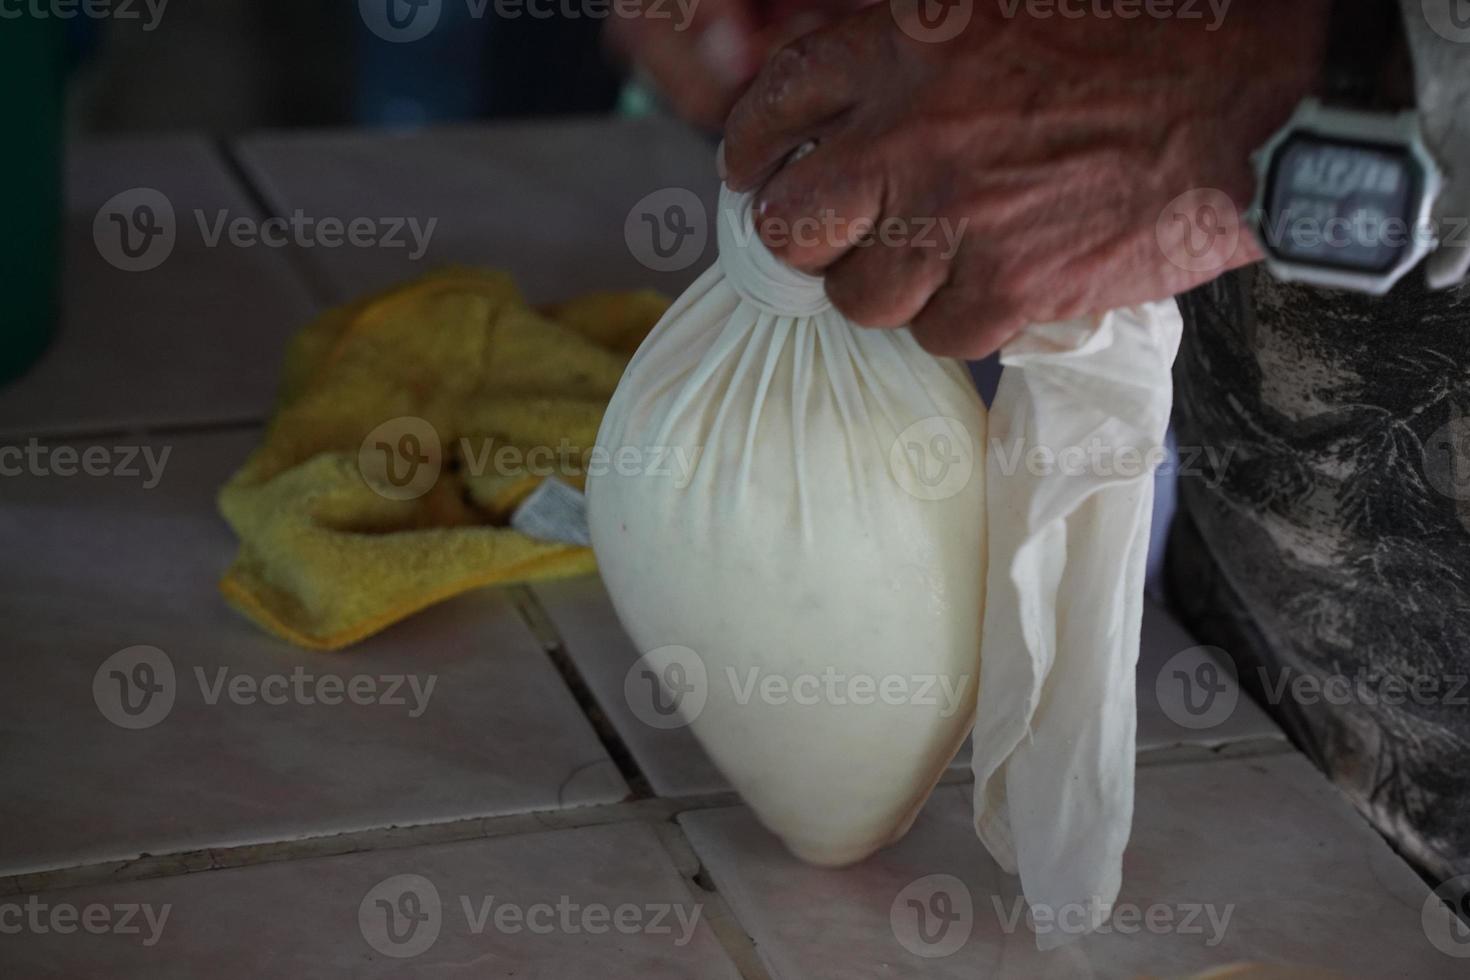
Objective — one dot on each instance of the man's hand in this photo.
(1029, 169)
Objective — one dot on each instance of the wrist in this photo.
(1272, 59)
(1346, 190)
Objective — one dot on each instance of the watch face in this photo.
(1341, 204)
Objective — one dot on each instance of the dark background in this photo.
(225, 66)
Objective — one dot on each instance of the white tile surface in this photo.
(197, 339)
(676, 765)
(302, 918)
(94, 565)
(548, 201)
(582, 613)
(1266, 841)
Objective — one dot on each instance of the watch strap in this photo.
(1366, 64)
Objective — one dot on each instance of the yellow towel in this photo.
(410, 425)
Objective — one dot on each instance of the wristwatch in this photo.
(1345, 191)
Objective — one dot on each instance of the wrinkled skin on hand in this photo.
(1049, 147)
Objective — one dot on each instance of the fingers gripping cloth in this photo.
(763, 282)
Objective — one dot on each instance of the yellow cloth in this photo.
(332, 549)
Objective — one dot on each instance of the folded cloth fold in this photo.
(409, 427)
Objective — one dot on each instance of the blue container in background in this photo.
(419, 62)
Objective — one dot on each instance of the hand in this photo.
(701, 54)
(1017, 172)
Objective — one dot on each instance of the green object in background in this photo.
(31, 74)
(636, 99)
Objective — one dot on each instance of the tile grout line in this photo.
(236, 856)
(721, 919)
(316, 281)
(549, 639)
(1255, 747)
(377, 839)
(144, 429)
(643, 806)
(654, 808)
(215, 858)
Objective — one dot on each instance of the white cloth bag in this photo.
(791, 496)
(791, 528)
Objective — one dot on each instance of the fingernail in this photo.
(722, 47)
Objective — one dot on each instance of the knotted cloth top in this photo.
(761, 279)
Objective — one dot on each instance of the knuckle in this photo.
(787, 62)
(855, 297)
(794, 65)
(857, 308)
